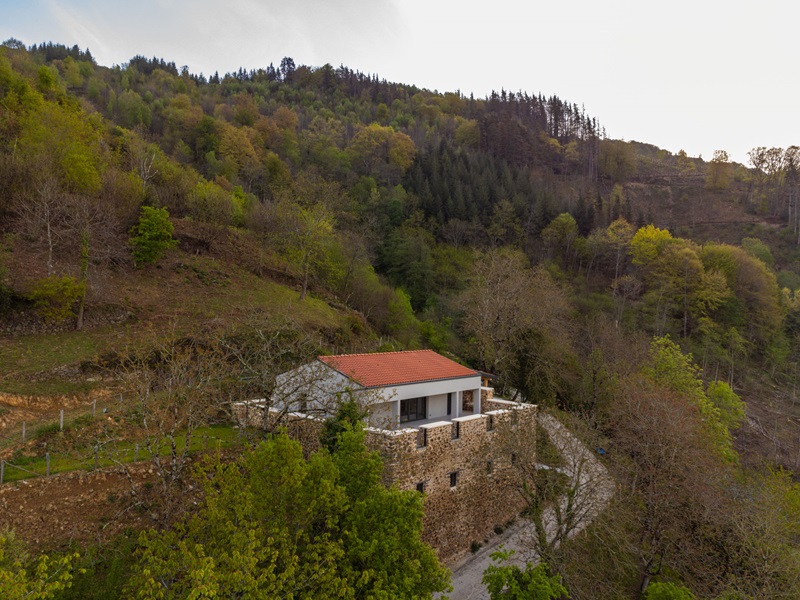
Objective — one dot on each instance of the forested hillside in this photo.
(194, 236)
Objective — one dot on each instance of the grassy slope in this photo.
(183, 293)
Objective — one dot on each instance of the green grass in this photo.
(250, 292)
(222, 436)
(29, 354)
(178, 314)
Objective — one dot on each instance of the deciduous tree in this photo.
(274, 524)
(152, 236)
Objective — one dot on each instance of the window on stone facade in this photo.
(413, 409)
(513, 459)
(489, 466)
(421, 487)
(453, 479)
(422, 437)
(490, 423)
(455, 431)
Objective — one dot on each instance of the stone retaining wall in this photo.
(478, 453)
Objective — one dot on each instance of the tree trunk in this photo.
(84, 277)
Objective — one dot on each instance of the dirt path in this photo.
(594, 488)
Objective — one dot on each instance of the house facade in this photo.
(437, 429)
(406, 387)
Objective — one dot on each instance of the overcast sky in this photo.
(699, 75)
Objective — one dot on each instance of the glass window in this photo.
(413, 409)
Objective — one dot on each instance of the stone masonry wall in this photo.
(303, 428)
(480, 449)
(486, 493)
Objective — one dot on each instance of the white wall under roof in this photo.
(317, 384)
(431, 388)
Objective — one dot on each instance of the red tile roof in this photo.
(396, 368)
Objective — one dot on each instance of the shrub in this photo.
(152, 236)
(54, 297)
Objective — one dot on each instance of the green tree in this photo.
(44, 579)
(510, 582)
(676, 371)
(274, 524)
(210, 203)
(62, 140)
(381, 151)
(648, 243)
(349, 414)
(504, 227)
(618, 238)
(152, 236)
(719, 172)
(617, 160)
(309, 238)
(758, 249)
(754, 308)
(730, 406)
(560, 235)
(667, 591)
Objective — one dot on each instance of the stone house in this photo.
(439, 431)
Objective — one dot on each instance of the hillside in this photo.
(169, 243)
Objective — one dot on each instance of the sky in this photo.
(699, 75)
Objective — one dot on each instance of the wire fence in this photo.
(21, 436)
(97, 453)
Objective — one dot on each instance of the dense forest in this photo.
(178, 240)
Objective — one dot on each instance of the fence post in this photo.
(136, 453)
(23, 432)
(96, 451)
(61, 421)
(2, 470)
(47, 462)
(94, 406)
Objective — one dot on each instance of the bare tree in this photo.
(567, 496)
(674, 480)
(41, 212)
(174, 388)
(517, 317)
(93, 230)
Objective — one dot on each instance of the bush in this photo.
(152, 236)
(668, 591)
(47, 431)
(54, 297)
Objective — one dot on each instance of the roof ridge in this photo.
(321, 356)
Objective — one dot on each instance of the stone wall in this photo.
(467, 404)
(481, 450)
(487, 393)
(301, 427)
(477, 449)
(27, 322)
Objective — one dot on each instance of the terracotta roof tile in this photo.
(396, 368)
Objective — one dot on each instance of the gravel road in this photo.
(594, 490)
